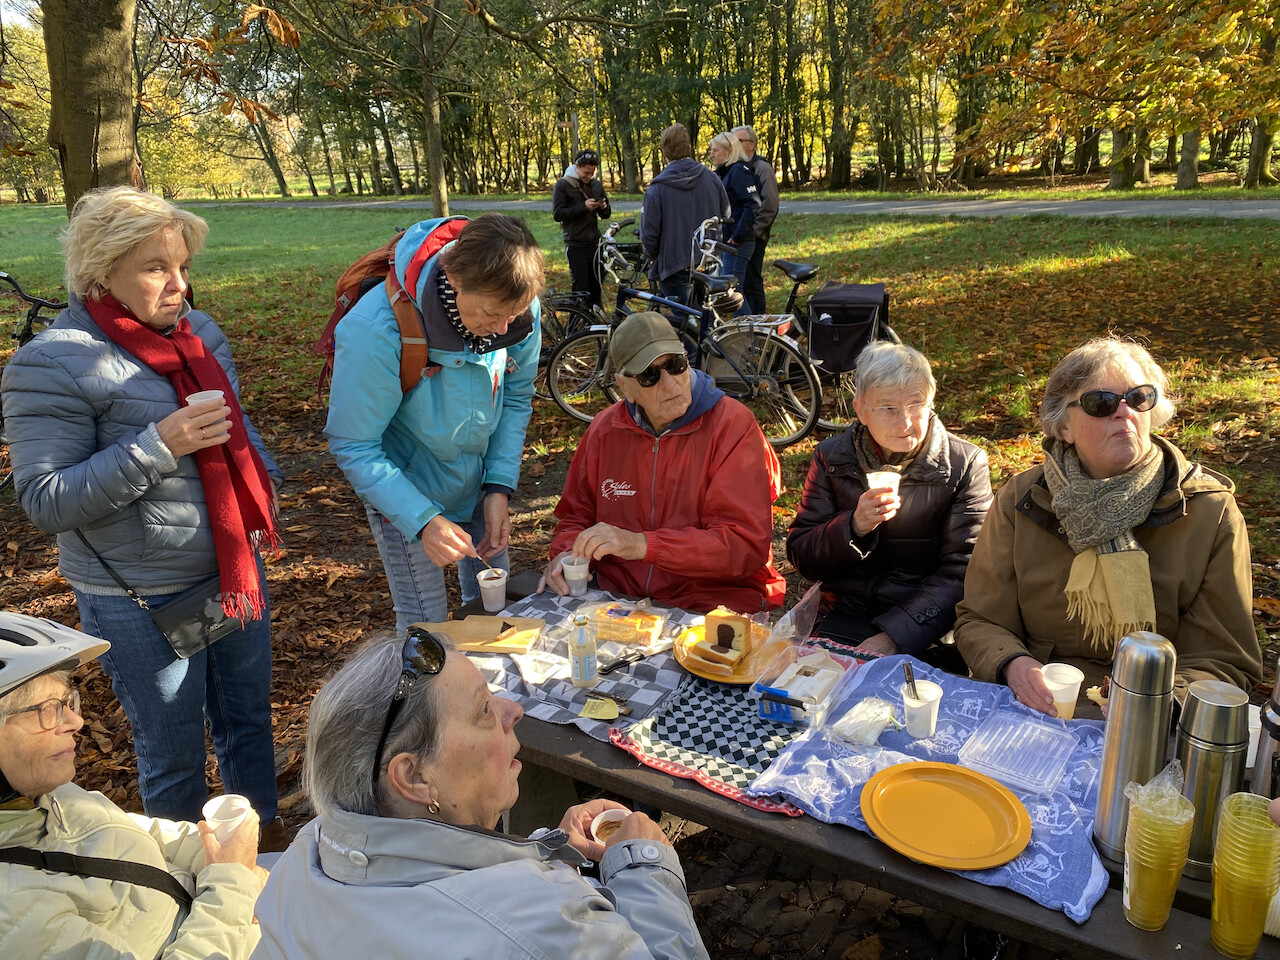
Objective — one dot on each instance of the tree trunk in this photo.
(1121, 159)
(393, 168)
(263, 136)
(841, 149)
(1259, 172)
(1171, 153)
(375, 161)
(328, 157)
(1142, 157)
(89, 49)
(1188, 161)
(1087, 150)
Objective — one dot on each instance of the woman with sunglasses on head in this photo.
(891, 562)
(411, 761)
(143, 887)
(1116, 531)
(670, 494)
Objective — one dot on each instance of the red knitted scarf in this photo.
(237, 491)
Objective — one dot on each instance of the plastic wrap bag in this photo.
(863, 724)
(1162, 795)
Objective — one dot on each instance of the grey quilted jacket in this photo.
(80, 415)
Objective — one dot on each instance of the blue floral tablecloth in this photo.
(824, 776)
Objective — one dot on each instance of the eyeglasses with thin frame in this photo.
(914, 411)
(51, 711)
(650, 375)
(422, 655)
(1103, 403)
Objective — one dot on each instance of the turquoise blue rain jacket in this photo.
(430, 451)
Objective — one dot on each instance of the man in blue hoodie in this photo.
(683, 195)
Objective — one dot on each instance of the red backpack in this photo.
(363, 275)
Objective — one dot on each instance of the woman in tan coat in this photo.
(1116, 531)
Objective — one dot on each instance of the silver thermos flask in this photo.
(1266, 763)
(1135, 743)
(1213, 743)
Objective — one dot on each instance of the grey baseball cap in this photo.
(641, 339)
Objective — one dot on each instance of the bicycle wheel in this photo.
(579, 376)
(562, 317)
(837, 400)
(772, 377)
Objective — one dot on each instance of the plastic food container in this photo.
(1019, 751)
(800, 684)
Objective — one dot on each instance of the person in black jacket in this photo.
(767, 184)
(744, 202)
(576, 202)
(892, 565)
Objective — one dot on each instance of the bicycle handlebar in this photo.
(23, 295)
(617, 225)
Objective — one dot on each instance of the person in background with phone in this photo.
(578, 203)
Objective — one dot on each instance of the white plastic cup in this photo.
(922, 712)
(577, 571)
(225, 814)
(493, 589)
(204, 396)
(1063, 681)
(883, 478)
(613, 816)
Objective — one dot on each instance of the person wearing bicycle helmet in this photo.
(577, 201)
(70, 910)
(739, 182)
(681, 196)
(670, 493)
(151, 495)
(890, 511)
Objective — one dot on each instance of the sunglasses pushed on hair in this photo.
(1103, 403)
(650, 375)
(422, 655)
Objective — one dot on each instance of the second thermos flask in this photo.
(1213, 743)
(1136, 741)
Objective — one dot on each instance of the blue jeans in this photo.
(736, 264)
(417, 584)
(678, 286)
(168, 700)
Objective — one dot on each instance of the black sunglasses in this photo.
(1103, 403)
(423, 655)
(647, 377)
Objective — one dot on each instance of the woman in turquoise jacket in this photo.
(435, 466)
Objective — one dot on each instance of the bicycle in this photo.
(34, 322)
(748, 359)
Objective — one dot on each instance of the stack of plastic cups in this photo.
(1246, 873)
(1155, 850)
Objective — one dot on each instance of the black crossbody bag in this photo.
(190, 620)
(125, 871)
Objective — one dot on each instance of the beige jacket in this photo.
(44, 914)
(1198, 550)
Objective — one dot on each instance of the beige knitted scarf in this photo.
(1109, 588)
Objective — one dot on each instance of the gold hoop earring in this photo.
(433, 808)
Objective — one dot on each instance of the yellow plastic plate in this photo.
(946, 815)
(743, 673)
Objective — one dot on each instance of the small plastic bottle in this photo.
(582, 652)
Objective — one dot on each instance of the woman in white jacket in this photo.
(410, 762)
(50, 908)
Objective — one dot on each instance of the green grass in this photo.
(994, 303)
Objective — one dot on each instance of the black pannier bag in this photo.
(844, 318)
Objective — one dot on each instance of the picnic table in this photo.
(585, 756)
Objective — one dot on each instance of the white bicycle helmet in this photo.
(32, 646)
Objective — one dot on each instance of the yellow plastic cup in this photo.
(1155, 851)
(1246, 875)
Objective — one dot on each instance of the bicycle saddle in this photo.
(799, 272)
(711, 283)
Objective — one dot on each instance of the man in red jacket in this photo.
(671, 492)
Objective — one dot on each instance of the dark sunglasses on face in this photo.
(1103, 403)
(649, 376)
(423, 655)
(50, 711)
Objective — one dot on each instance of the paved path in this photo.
(1127, 209)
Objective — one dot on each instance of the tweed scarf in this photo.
(237, 491)
(872, 457)
(1109, 587)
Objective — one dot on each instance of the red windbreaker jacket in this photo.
(702, 493)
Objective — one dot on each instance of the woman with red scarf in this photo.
(143, 487)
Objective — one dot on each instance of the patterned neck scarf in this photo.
(448, 297)
(1109, 588)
